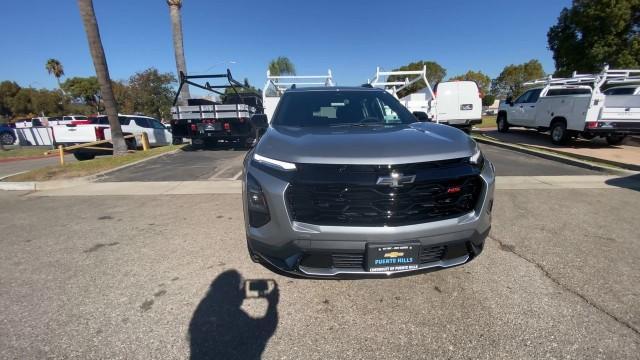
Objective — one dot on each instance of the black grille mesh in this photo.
(382, 205)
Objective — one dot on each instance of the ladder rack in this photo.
(279, 86)
(396, 86)
(610, 76)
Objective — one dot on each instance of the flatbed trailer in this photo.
(206, 122)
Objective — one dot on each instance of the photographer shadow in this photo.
(220, 329)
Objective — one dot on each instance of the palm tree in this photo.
(54, 67)
(281, 66)
(181, 64)
(102, 73)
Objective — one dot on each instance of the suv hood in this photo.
(370, 145)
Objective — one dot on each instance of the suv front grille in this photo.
(347, 261)
(362, 204)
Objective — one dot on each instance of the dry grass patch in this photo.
(88, 167)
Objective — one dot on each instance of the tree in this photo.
(124, 99)
(178, 47)
(593, 33)
(46, 102)
(482, 80)
(281, 66)
(85, 89)
(488, 99)
(151, 92)
(20, 104)
(8, 89)
(102, 72)
(435, 74)
(510, 80)
(54, 67)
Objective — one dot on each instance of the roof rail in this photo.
(396, 86)
(280, 83)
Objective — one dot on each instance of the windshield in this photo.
(340, 108)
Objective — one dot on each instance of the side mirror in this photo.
(260, 121)
(509, 100)
(421, 116)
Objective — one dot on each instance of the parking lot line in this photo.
(220, 172)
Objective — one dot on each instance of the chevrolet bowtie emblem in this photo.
(396, 179)
(393, 254)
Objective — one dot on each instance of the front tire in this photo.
(7, 138)
(503, 125)
(559, 134)
(615, 139)
(82, 156)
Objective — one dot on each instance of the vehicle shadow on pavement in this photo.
(631, 182)
(219, 147)
(220, 329)
(536, 138)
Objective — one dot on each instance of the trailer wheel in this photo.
(503, 125)
(615, 139)
(82, 156)
(559, 134)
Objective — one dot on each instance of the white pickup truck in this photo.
(68, 135)
(98, 129)
(575, 106)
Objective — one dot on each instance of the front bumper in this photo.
(285, 246)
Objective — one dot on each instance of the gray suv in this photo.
(346, 183)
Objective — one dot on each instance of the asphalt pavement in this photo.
(226, 163)
(161, 277)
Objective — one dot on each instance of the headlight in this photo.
(256, 203)
(477, 158)
(280, 165)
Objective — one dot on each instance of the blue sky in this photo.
(349, 37)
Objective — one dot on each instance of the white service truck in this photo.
(454, 103)
(576, 106)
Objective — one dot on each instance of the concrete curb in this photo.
(585, 162)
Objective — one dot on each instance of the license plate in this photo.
(390, 258)
(466, 107)
(213, 127)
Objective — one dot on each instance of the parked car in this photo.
(574, 106)
(137, 124)
(347, 183)
(7, 134)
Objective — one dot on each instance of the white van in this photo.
(458, 103)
